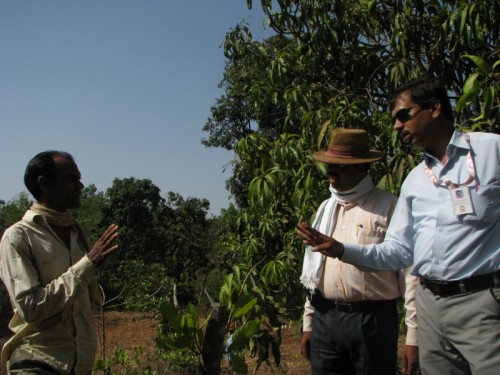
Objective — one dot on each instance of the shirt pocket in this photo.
(367, 236)
(483, 205)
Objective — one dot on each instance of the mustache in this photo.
(403, 133)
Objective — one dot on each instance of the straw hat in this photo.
(348, 146)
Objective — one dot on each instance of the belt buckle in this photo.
(437, 287)
(344, 306)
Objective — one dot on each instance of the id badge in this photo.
(462, 203)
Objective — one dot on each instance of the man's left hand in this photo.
(104, 246)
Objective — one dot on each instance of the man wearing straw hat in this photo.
(350, 319)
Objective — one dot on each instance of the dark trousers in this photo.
(363, 342)
(22, 363)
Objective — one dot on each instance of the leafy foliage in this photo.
(90, 212)
(13, 210)
(144, 288)
(125, 362)
(187, 249)
(241, 301)
(332, 64)
(328, 64)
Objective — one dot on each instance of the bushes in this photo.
(138, 286)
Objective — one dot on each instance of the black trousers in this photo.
(361, 342)
(23, 363)
(30, 367)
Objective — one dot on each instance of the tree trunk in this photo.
(213, 341)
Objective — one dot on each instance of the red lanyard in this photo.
(451, 185)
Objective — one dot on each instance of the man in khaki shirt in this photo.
(50, 274)
(350, 321)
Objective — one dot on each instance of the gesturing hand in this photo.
(104, 245)
(319, 242)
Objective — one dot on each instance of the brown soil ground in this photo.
(135, 333)
(131, 331)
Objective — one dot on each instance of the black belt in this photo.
(323, 304)
(471, 284)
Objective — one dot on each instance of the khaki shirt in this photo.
(51, 289)
(365, 223)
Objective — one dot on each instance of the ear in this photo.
(43, 183)
(436, 109)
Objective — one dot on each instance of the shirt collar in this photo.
(457, 141)
(34, 218)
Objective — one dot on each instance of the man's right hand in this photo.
(320, 242)
(305, 344)
(410, 360)
(104, 245)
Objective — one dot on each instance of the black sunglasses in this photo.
(404, 114)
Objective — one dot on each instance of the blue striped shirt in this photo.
(425, 230)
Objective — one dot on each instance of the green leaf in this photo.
(467, 98)
(238, 364)
(168, 311)
(244, 304)
(479, 62)
(166, 343)
(470, 83)
(250, 328)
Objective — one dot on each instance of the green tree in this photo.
(187, 247)
(332, 64)
(89, 214)
(13, 210)
(137, 207)
(167, 237)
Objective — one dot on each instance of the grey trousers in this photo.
(459, 334)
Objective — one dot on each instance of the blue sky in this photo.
(124, 85)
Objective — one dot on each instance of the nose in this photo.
(398, 125)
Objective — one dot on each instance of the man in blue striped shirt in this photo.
(447, 223)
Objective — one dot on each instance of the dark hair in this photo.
(42, 164)
(425, 92)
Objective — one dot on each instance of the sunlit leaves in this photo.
(332, 64)
(186, 332)
(481, 91)
(243, 305)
